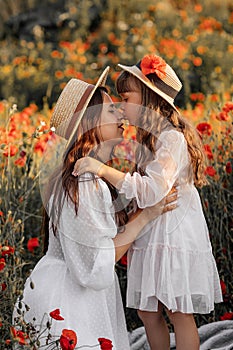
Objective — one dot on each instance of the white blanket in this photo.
(213, 336)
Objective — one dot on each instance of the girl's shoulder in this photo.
(171, 137)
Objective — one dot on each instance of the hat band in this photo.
(78, 108)
(159, 83)
(168, 90)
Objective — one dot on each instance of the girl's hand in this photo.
(87, 164)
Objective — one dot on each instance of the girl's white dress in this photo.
(173, 261)
(77, 274)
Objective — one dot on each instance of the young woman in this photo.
(173, 266)
(77, 273)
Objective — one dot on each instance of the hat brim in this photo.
(134, 70)
(100, 82)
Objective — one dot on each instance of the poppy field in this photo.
(196, 39)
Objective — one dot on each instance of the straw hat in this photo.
(165, 81)
(72, 104)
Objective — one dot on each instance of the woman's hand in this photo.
(87, 164)
(139, 220)
(166, 204)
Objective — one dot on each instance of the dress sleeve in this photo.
(162, 172)
(86, 238)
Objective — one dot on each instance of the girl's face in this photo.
(111, 126)
(131, 106)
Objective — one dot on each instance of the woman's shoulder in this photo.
(93, 186)
(91, 180)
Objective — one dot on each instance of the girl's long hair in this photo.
(63, 185)
(152, 125)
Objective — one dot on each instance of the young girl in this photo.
(172, 267)
(77, 274)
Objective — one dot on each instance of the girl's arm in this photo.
(162, 173)
(88, 164)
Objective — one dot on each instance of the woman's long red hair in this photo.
(63, 185)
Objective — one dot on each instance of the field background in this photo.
(43, 44)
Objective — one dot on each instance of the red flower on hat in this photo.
(56, 315)
(105, 344)
(68, 339)
(153, 64)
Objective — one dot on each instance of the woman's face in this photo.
(111, 126)
(131, 106)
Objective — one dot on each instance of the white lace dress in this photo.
(173, 261)
(77, 274)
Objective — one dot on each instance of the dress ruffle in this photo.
(154, 274)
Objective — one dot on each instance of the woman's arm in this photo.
(138, 221)
(88, 164)
(90, 242)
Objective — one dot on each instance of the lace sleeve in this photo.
(86, 239)
(162, 172)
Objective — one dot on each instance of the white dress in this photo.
(173, 261)
(77, 274)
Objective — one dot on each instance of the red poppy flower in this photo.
(56, 315)
(197, 96)
(4, 286)
(2, 263)
(68, 339)
(7, 250)
(208, 151)
(204, 128)
(210, 171)
(153, 64)
(40, 146)
(228, 107)
(123, 260)
(197, 61)
(223, 287)
(32, 244)
(105, 344)
(19, 336)
(227, 316)
(22, 153)
(21, 161)
(223, 116)
(228, 168)
(10, 150)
